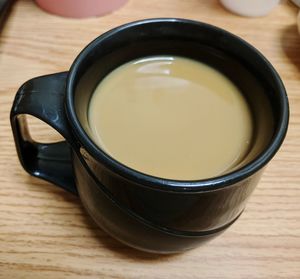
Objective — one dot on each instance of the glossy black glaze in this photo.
(43, 97)
(126, 226)
(147, 212)
(202, 211)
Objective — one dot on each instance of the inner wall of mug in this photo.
(257, 91)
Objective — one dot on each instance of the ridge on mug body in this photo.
(250, 8)
(80, 8)
(150, 213)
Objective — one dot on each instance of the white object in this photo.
(253, 8)
(296, 2)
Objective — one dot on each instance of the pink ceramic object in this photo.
(80, 8)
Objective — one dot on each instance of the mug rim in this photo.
(208, 184)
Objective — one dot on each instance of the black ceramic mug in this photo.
(146, 212)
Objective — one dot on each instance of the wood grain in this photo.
(44, 231)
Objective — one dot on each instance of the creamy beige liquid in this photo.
(171, 117)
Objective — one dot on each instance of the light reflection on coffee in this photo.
(171, 117)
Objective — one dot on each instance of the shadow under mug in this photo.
(146, 212)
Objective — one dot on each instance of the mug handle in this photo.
(43, 97)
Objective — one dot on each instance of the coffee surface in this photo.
(171, 117)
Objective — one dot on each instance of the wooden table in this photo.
(44, 231)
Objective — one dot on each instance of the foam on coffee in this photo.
(171, 117)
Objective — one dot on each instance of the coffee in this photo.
(171, 117)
